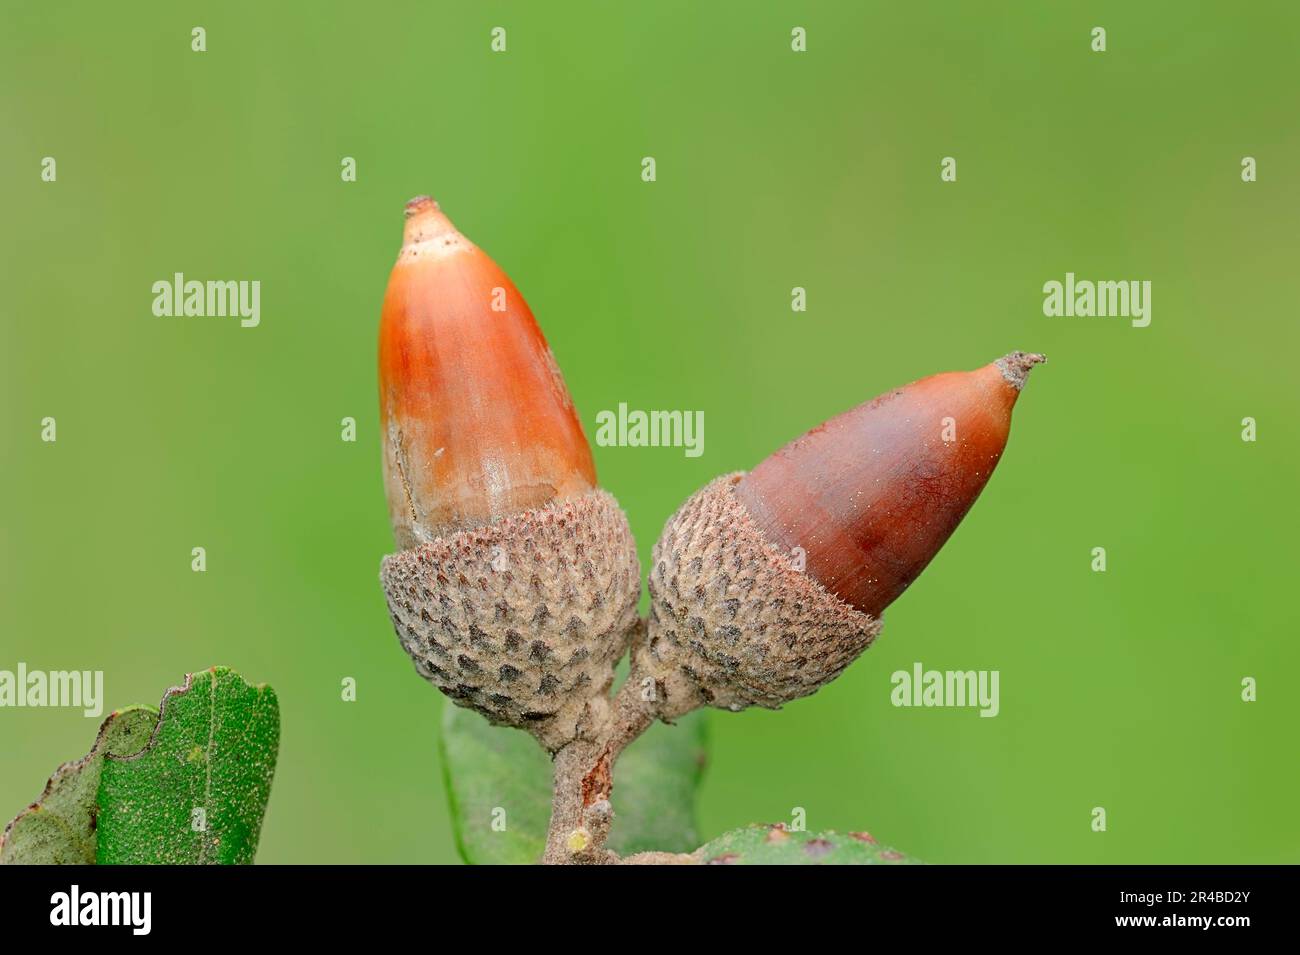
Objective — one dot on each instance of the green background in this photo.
(775, 170)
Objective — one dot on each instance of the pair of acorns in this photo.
(516, 583)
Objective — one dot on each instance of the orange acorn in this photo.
(515, 586)
(765, 586)
(476, 417)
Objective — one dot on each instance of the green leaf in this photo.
(495, 775)
(488, 769)
(655, 786)
(777, 845)
(198, 791)
(59, 828)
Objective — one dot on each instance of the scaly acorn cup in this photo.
(515, 587)
(765, 586)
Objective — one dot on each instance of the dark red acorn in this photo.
(765, 586)
(872, 494)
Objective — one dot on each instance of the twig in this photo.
(581, 814)
(578, 828)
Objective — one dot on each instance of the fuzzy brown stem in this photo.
(581, 814)
(572, 838)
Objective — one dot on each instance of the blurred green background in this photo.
(775, 169)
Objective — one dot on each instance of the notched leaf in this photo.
(59, 828)
(198, 791)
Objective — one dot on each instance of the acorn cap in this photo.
(523, 619)
(732, 622)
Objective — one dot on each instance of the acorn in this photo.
(515, 585)
(765, 586)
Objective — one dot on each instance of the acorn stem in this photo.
(581, 814)
(575, 835)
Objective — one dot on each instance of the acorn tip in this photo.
(424, 220)
(1016, 366)
(419, 204)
